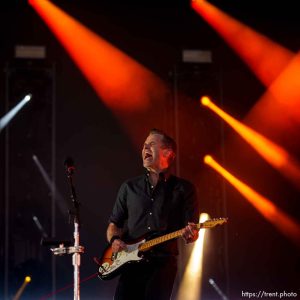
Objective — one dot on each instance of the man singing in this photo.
(156, 202)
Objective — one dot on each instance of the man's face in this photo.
(154, 154)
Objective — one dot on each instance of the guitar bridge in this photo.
(104, 268)
(101, 270)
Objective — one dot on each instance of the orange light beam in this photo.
(282, 99)
(277, 111)
(284, 223)
(277, 67)
(275, 155)
(264, 57)
(121, 82)
(20, 291)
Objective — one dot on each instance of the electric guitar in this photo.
(111, 264)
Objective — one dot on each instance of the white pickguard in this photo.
(121, 258)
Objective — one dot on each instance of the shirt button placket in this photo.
(152, 190)
(152, 200)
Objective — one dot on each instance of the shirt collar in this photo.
(163, 176)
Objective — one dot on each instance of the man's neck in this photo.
(154, 175)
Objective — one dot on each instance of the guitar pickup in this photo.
(114, 256)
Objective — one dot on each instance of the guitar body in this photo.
(112, 264)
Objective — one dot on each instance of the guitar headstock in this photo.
(213, 222)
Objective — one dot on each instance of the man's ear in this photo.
(168, 153)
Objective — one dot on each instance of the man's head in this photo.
(159, 151)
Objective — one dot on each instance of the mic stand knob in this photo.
(61, 250)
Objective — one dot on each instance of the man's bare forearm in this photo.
(113, 230)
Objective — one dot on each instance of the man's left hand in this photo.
(190, 233)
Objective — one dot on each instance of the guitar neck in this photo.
(173, 235)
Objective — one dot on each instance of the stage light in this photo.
(133, 93)
(28, 97)
(286, 92)
(281, 221)
(8, 116)
(190, 286)
(40, 227)
(278, 68)
(275, 155)
(264, 57)
(20, 291)
(121, 83)
(271, 152)
(59, 199)
(207, 159)
(217, 289)
(205, 100)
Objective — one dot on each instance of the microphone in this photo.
(69, 165)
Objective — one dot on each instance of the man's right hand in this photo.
(118, 245)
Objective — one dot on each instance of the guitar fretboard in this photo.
(173, 235)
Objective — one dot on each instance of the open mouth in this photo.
(147, 156)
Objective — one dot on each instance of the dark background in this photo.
(247, 254)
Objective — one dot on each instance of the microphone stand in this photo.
(76, 254)
(76, 250)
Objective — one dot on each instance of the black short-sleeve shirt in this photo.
(144, 209)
